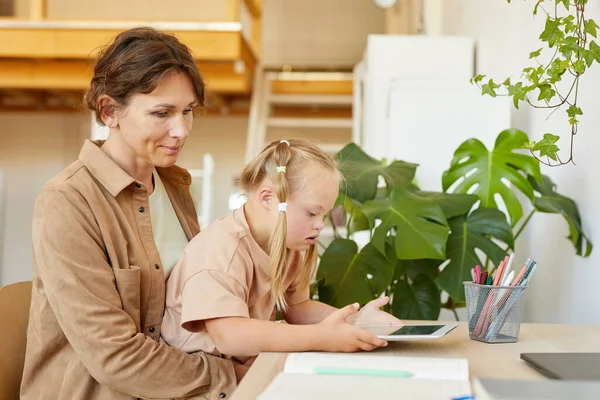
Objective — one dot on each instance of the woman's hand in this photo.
(242, 369)
(371, 314)
(337, 335)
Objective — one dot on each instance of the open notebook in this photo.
(368, 375)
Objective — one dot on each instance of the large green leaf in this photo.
(486, 173)
(452, 204)
(346, 276)
(467, 234)
(354, 215)
(416, 299)
(419, 226)
(361, 173)
(412, 268)
(552, 202)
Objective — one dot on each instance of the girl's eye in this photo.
(186, 112)
(161, 114)
(311, 214)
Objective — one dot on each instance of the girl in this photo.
(223, 293)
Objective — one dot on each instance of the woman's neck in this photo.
(124, 157)
(256, 217)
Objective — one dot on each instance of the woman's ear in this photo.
(108, 114)
(266, 197)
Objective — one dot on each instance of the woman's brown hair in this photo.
(295, 156)
(135, 62)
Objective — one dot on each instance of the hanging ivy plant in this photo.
(567, 37)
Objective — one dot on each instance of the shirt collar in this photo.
(112, 177)
(239, 217)
(175, 174)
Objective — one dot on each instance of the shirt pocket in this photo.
(128, 283)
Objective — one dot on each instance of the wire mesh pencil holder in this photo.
(494, 313)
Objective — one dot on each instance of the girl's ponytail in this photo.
(277, 241)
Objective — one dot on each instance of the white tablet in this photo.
(410, 332)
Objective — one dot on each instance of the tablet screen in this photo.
(416, 330)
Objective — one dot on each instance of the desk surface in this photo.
(485, 360)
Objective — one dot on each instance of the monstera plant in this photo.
(424, 243)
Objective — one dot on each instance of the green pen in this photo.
(361, 372)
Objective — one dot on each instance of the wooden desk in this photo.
(485, 360)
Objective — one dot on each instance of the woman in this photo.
(108, 229)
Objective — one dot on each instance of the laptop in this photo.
(573, 366)
(506, 389)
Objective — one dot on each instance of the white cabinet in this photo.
(391, 57)
(430, 118)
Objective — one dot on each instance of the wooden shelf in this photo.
(57, 54)
(318, 99)
(313, 83)
(304, 122)
(67, 100)
(52, 74)
(82, 39)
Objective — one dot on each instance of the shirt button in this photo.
(141, 209)
(185, 179)
(138, 185)
(156, 266)
(222, 395)
(186, 200)
(151, 329)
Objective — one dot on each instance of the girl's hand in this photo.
(371, 314)
(336, 335)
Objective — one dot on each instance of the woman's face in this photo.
(155, 126)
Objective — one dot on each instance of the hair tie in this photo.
(282, 207)
(281, 169)
(286, 142)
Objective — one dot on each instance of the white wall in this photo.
(564, 289)
(317, 33)
(2, 216)
(225, 139)
(567, 291)
(33, 148)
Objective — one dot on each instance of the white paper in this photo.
(420, 367)
(288, 386)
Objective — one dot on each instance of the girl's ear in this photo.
(266, 197)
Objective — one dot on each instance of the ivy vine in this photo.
(567, 33)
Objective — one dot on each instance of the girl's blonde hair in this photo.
(294, 156)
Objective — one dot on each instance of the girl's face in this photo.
(154, 126)
(308, 207)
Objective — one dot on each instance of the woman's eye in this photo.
(186, 112)
(311, 214)
(161, 114)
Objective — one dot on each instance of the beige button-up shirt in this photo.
(99, 293)
(224, 272)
